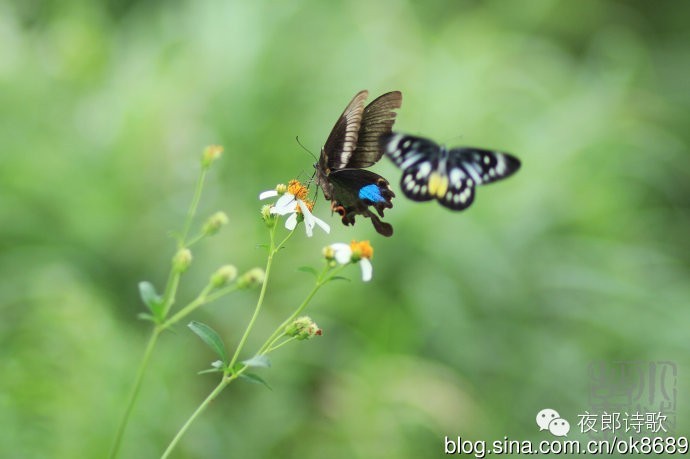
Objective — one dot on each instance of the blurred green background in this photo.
(474, 321)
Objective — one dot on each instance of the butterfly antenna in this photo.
(310, 182)
(306, 149)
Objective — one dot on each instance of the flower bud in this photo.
(214, 223)
(211, 153)
(252, 278)
(269, 218)
(223, 276)
(281, 188)
(182, 260)
(303, 328)
(328, 253)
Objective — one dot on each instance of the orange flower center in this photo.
(362, 249)
(298, 190)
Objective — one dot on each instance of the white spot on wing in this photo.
(474, 172)
(424, 170)
(500, 164)
(410, 161)
(456, 177)
(392, 145)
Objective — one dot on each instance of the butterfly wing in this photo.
(342, 140)
(354, 143)
(377, 120)
(417, 157)
(355, 190)
(449, 176)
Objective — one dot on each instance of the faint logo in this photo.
(634, 387)
(548, 419)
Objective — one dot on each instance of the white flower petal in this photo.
(342, 252)
(322, 224)
(284, 205)
(367, 269)
(291, 222)
(308, 218)
(268, 194)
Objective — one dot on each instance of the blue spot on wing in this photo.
(371, 193)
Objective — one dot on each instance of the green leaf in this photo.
(210, 370)
(211, 338)
(256, 379)
(150, 297)
(146, 316)
(339, 278)
(260, 361)
(308, 269)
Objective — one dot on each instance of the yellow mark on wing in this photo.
(438, 184)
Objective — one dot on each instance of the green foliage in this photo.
(151, 299)
(209, 336)
(258, 361)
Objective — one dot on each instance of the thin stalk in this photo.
(277, 333)
(134, 393)
(269, 262)
(168, 300)
(197, 302)
(192, 207)
(170, 290)
(219, 388)
(279, 345)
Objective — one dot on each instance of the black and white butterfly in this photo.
(431, 171)
(353, 144)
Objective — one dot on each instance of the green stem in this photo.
(219, 388)
(269, 262)
(195, 239)
(135, 392)
(170, 290)
(272, 347)
(199, 301)
(192, 208)
(320, 281)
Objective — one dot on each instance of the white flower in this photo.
(354, 252)
(268, 194)
(293, 201)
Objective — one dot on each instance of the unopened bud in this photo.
(303, 328)
(223, 276)
(211, 153)
(182, 260)
(328, 253)
(268, 218)
(252, 278)
(214, 223)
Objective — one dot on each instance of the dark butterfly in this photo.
(354, 143)
(431, 171)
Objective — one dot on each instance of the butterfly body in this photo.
(354, 144)
(432, 171)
